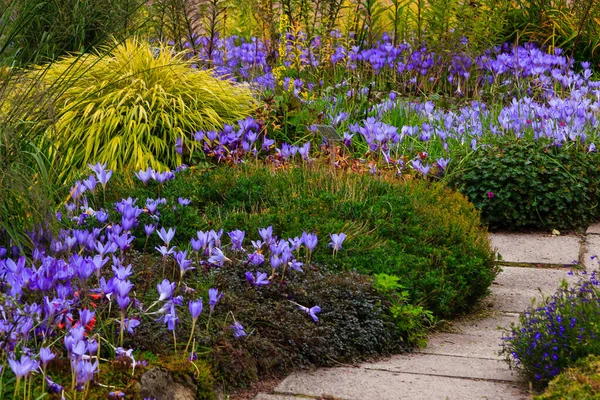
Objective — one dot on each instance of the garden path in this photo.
(461, 362)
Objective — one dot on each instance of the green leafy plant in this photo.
(129, 108)
(531, 184)
(581, 381)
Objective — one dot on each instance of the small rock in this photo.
(160, 384)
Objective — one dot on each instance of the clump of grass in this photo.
(129, 108)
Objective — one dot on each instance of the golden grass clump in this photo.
(128, 105)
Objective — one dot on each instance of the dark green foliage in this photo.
(582, 382)
(35, 31)
(426, 235)
(355, 323)
(526, 184)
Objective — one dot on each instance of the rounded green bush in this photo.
(427, 235)
(581, 382)
(531, 184)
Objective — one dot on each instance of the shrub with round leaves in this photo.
(129, 107)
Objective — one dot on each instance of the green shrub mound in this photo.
(526, 184)
(581, 382)
(428, 236)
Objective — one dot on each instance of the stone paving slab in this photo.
(520, 279)
(514, 287)
(505, 299)
(592, 248)
(448, 366)
(485, 345)
(495, 322)
(362, 384)
(593, 229)
(535, 248)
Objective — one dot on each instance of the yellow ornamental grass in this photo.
(129, 107)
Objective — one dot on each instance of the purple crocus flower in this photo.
(260, 280)
(23, 367)
(46, 355)
(256, 258)
(266, 234)
(213, 298)
(311, 311)
(238, 330)
(217, 257)
(183, 262)
(336, 241)
(166, 236)
(195, 308)
(184, 202)
(179, 146)
(149, 229)
(237, 239)
(145, 176)
(310, 240)
(53, 387)
(165, 290)
(130, 325)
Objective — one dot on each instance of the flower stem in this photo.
(191, 335)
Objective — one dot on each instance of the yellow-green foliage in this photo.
(128, 108)
(582, 382)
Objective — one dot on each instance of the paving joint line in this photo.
(549, 266)
(458, 355)
(468, 378)
(323, 395)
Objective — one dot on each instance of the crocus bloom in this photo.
(46, 355)
(130, 325)
(165, 289)
(238, 330)
(195, 308)
(166, 236)
(237, 239)
(149, 229)
(217, 257)
(213, 298)
(23, 367)
(336, 241)
(310, 240)
(311, 311)
(145, 176)
(184, 202)
(260, 280)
